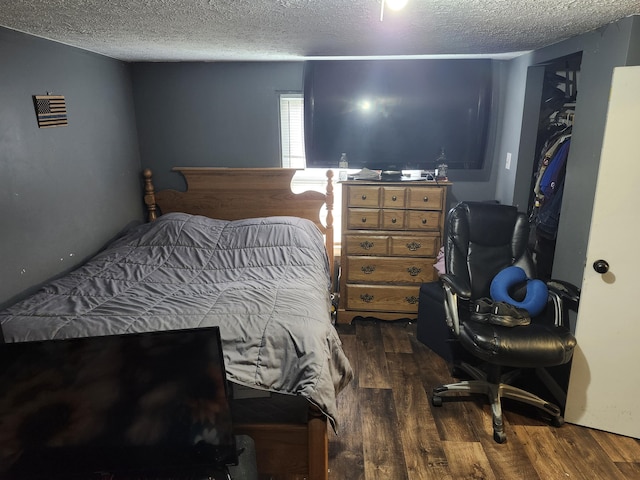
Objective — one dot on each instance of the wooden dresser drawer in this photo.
(363, 196)
(394, 245)
(422, 220)
(414, 245)
(383, 298)
(393, 220)
(389, 270)
(363, 218)
(393, 197)
(366, 245)
(401, 220)
(430, 198)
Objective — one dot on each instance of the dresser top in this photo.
(407, 183)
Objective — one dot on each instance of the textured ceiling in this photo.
(210, 30)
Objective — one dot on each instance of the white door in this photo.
(605, 374)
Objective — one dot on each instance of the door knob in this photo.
(601, 266)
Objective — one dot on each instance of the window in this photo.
(292, 130)
(293, 156)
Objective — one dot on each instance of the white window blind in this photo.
(292, 130)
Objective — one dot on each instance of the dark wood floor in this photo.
(390, 431)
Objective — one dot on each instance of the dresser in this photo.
(391, 234)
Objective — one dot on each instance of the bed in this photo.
(239, 250)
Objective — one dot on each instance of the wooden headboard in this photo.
(237, 193)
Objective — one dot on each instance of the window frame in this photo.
(291, 129)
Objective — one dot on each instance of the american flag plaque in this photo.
(51, 110)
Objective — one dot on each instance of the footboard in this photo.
(291, 451)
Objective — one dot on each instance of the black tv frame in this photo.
(424, 106)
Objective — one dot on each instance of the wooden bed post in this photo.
(318, 445)
(149, 195)
(329, 240)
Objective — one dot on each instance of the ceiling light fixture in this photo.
(393, 5)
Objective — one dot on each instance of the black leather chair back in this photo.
(481, 240)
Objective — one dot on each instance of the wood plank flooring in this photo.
(389, 430)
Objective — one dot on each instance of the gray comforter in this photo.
(265, 282)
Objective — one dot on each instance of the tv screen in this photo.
(397, 114)
(144, 404)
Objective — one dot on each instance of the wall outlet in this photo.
(507, 164)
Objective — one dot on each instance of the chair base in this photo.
(495, 391)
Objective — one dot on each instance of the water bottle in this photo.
(343, 165)
(442, 168)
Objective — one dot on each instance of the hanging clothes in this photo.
(548, 192)
(552, 147)
(557, 111)
(554, 173)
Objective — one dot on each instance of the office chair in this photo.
(481, 241)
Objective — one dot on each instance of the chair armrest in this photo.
(454, 289)
(567, 291)
(457, 286)
(565, 296)
(451, 308)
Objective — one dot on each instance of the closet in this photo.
(560, 90)
(557, 112)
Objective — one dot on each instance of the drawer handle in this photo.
(414, 271)
(424, 221)
(364, 219)
(366, 245)
(366, 298)
(425, 199)
(364, 197)
(368, 269)
(414, 246)
(393, 220)
(394, 198)
(411, 300)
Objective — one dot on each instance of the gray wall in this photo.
(210, 114)
(602, 51)
(63, 191)
(633, 53)
(226, 115)
(518, 100)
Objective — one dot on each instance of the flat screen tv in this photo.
(397, 114)
(150, 405)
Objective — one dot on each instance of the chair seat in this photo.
(532, 346)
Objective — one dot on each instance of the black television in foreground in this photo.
(150, 405)
(397, 114)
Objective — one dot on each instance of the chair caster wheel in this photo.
(557, 421)
(436, 401)
(499, 437)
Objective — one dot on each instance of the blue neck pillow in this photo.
(506, 280)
